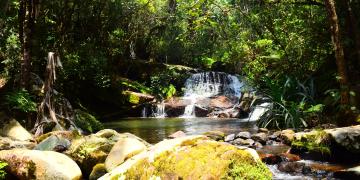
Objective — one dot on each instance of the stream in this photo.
(154, 130)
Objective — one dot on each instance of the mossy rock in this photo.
(215, 135)
(199, 159)
(98, 171)
(314, 142)
(87, 122)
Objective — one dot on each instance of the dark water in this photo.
(156, 129)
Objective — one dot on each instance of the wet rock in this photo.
(260, 137)
(14, 130)
(192, 157)
(177, 134)
(42, 165)
(292, 167)
(287, 136)
(347, 137)
(290, 157)
(352, 173)
(244, 142)
(175, 107)
(271, 158)
(7, 143)
(264, 130)
(229, 137)
(54, 143)
(257, 145)
(123, 149)
(201, 111)
(98, 171)
(215, 135)
(244, 135)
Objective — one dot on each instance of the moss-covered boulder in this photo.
(41, 165)
(88, 151)
(86, 121)
(98, 171)
(192, 157)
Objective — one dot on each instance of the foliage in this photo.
(21, 100)
(2, 167)
(292, 101)
(87, 122)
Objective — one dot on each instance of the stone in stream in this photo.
(53, 143)
(293, 167)
(229, 137)
(264, 130)
(192, 157)
(244, 135)
(260, 137)
(287, 136)
(351, 173)
(177, 134)
(244, 142)
(41, 165)
(215, 135)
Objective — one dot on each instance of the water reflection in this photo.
(155, 129)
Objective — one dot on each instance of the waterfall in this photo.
(259, 110)
(209, 84)
(144, 112)
(159, 111)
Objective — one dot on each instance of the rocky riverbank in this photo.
(108, 154)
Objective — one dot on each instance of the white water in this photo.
(160, 110)
(144, 112)
(259, 110)
(209, 84)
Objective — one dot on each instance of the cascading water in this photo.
(159, 111)
(209, 84)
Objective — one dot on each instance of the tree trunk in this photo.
(27, 12)
(339, 52)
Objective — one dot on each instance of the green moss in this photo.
(98, 171)
(318, 141)
(2, 169)
(87, 122)
(202, 160)
(133, 99)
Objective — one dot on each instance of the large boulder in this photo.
(41, 165)
(8, 143)
(175, 107)
(192, 157)
(90, 150)
(347, 137)
(122, 150)
(138, 98)
(14, 130)
(54, 143)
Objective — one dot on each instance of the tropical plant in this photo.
(293, 102)
(21, 100)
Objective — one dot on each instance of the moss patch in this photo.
(318, 141)
(201, 160)
(87, 122)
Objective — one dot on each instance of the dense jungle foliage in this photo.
(303, 54)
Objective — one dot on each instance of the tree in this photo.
(27, 13)
(339, 51)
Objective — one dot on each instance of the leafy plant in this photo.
(2, 171)
(21, 100)
(293, 101)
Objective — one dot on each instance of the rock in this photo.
(192, 157)
(264, 130)
(123, 149)
(14, 130)
(138, 98)
(243, 135)
(287, 136)
(229, 137)
(260, 137)
(7, 143)
(244, 142)
(290, 157)
(70, 135)
(215, 135)
(54, 143)
(175, 107)
(351, 173)
(89, 151)
(346, 137)
(41, 165)
(257, 145)
(177, 134)
(292, 167)
(222, 102)
(201, 111)
(271, 158)
(98, 171)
